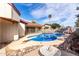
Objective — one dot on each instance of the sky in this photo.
(62, 13)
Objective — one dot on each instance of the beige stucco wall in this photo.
(37, 30)
(21, 29)
(15, 15)
(0, 31)
(7, 11)
(47, 30)
(30, 30)
(9, 31)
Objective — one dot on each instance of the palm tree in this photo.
(77, 8)
(49, 16)
(77, 22)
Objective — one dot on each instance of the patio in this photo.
(26, 47)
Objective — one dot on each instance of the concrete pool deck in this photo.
(25, 43)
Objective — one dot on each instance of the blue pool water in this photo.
(46, 37)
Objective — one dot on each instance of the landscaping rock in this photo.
(71, 42)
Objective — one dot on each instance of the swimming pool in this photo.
(46, 37)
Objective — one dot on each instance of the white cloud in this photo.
(70, 21)
(38, 13)
(58, 11)
(53, 9)
(28, 4)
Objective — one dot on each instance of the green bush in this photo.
(55, 25)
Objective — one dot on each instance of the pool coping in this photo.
(31, 35)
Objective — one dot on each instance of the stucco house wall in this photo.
(9, 31)
(8, 28)
(6, 10)
(37, 30)
(15, 16)
(0, 31)
(21, 29)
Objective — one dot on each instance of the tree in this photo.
(55, 25)
(77, 22)
(49, 16)
(47, 24)
(33, 21)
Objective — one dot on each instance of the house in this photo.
(22, 27)
(46, 28)
(26, 27)
(11, 26)
(33, 27)
(9, 19)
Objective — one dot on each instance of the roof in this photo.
(33, 25)
(9, 19)
(29, 24)
(23, 21)
(13, 6)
